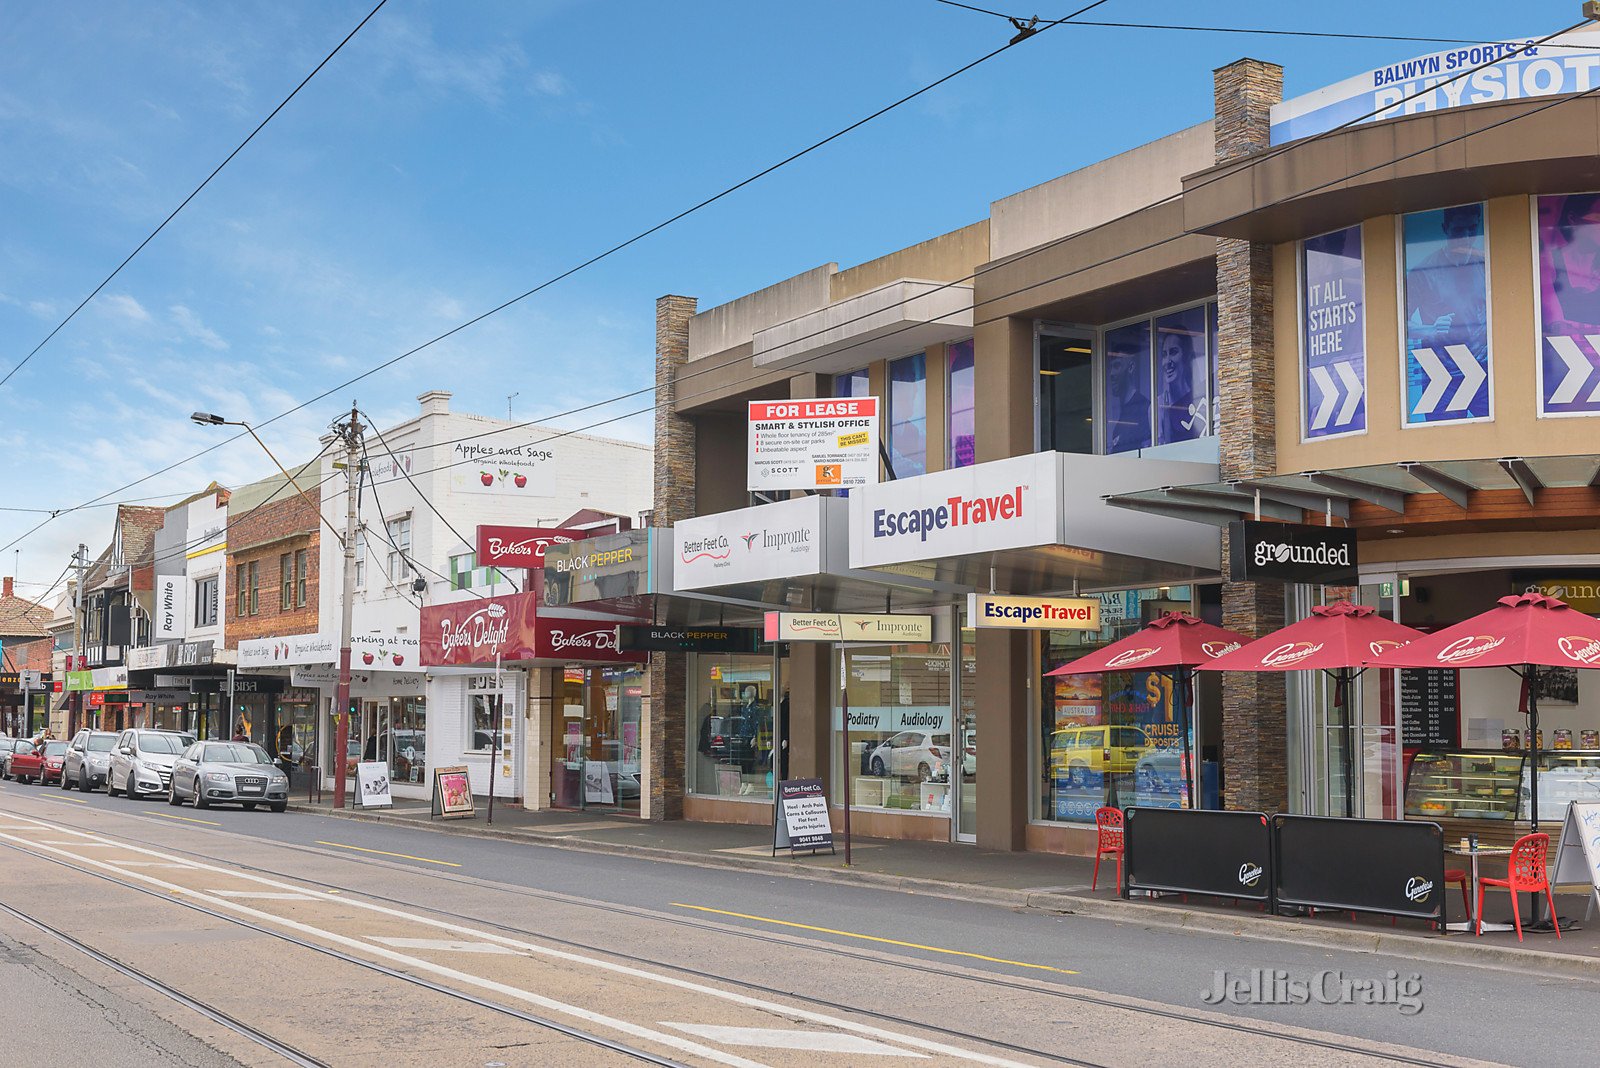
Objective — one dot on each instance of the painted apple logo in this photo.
(366, 658)
(398, 660)
(521, 481)
(486, 478)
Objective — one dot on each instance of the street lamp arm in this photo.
(211, 419)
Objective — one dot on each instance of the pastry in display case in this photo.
(1465, 784)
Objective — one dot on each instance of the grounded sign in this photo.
(1033, 613)
(847, 627)
(1291, 552)
(813, 444)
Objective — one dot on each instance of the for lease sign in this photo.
(1033, 613)
(813, 444)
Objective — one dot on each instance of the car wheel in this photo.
(172, 796)
(280, 806)
(111, 784)
(83, 781)
(199, 796)
(877, 767)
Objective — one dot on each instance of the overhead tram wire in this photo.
(572, 270)
(404, 554)
(1101, 263)
(361, 531)
(1244, 164)
(196, 192)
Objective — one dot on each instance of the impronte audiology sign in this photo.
(813, 444)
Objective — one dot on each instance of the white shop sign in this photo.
(381, 651)
(1005, 504)
(169, 614)
(813, 444)
(770, 541)
(148, 657)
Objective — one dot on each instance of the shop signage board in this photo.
(525, 470)
(385, 651)
(604, 568)
(990, 507)
(785, 539)
(159, 697)
(193, 654)
(1430, 708)
(1333, 360)
(1449, 373)
(30, 680)
(288, 650)
(110, 678)
(847, 627)
(377, 651)
(830, 443)
(150, 658)
(801, 821)
(452, 794)
(503, 546)
(1439, 81)
(372, 785)
(170, 602)
(1578, 849)
(241, 684)
(1291, 552)
(1033, 613)
(79, 680)
(691, 639)
(513, 628)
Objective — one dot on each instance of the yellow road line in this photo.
(74, 800)
(186, 819)
(874, 938)
(386, 853)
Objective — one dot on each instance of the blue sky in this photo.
(456, 154)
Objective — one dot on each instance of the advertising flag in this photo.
(1333, 353)
(1569, 304)
(1447, 316)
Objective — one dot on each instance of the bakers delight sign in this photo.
(520, 546)
(512, 628)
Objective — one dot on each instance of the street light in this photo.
(350, 433)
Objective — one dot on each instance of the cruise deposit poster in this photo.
(1150, 773)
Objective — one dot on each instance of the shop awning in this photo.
(1388, 486)
(891, 320)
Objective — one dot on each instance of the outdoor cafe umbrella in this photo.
(1524, 633)
(1177, 641)
(1339, 638)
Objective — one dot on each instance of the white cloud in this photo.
(122, 305)
(190, 324)
(549, 83)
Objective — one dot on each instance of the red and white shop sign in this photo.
(830, 443)
(476, 631)
(500, 546)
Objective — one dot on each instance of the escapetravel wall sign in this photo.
(1033, 613)
(1291, 552)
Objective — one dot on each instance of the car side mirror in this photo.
(126, 750)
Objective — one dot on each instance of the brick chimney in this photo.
(435, 402)
(5, 590)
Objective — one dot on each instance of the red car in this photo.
(30, 764)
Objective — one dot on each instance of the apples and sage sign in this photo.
(1291, 552)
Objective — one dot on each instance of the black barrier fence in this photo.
(1189, 851)
(1393, 867)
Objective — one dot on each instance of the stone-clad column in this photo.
(665, 715)
(1254, 706)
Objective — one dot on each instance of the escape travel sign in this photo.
(813, 444)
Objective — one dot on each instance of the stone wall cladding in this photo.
(674, 500)
(1254, 705)
(263, 535)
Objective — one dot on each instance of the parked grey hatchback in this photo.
(228, 773)
(88, 760)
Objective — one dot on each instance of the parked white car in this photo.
(141, 763)
(919, 755)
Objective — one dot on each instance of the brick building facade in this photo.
(273, 570)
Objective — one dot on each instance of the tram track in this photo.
(1056, 991)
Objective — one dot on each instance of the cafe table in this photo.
(1470, 923)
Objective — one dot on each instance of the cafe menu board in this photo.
(1430, 707)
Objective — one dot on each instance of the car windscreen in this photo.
(102, 743)
(235, 753)
(55, 749)
(163, 743)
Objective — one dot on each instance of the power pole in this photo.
(351, 433)
(75, 709)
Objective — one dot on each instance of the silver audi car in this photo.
(228, 773)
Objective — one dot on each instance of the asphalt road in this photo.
(696, 965)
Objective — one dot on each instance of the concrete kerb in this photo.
(1256, 927)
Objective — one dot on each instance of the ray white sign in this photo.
(169, 606)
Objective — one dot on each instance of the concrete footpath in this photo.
(1018, 880)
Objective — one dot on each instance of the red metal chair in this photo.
(1453, 876)
(1525, 873)
(1108, 839)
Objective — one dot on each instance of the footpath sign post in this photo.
(802, 817)
(372, 785)
(1578, 851)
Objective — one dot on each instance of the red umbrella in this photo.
(1341, 639)
(1176, 641)
(1523, 632)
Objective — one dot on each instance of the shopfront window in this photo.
(1183, 379)
(480, 717)
(900, 740)
(963, 406)
(408, 752)
(1127, 396)
(908, 415)
(731, 726)
(855, 383)
(1066, 393)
